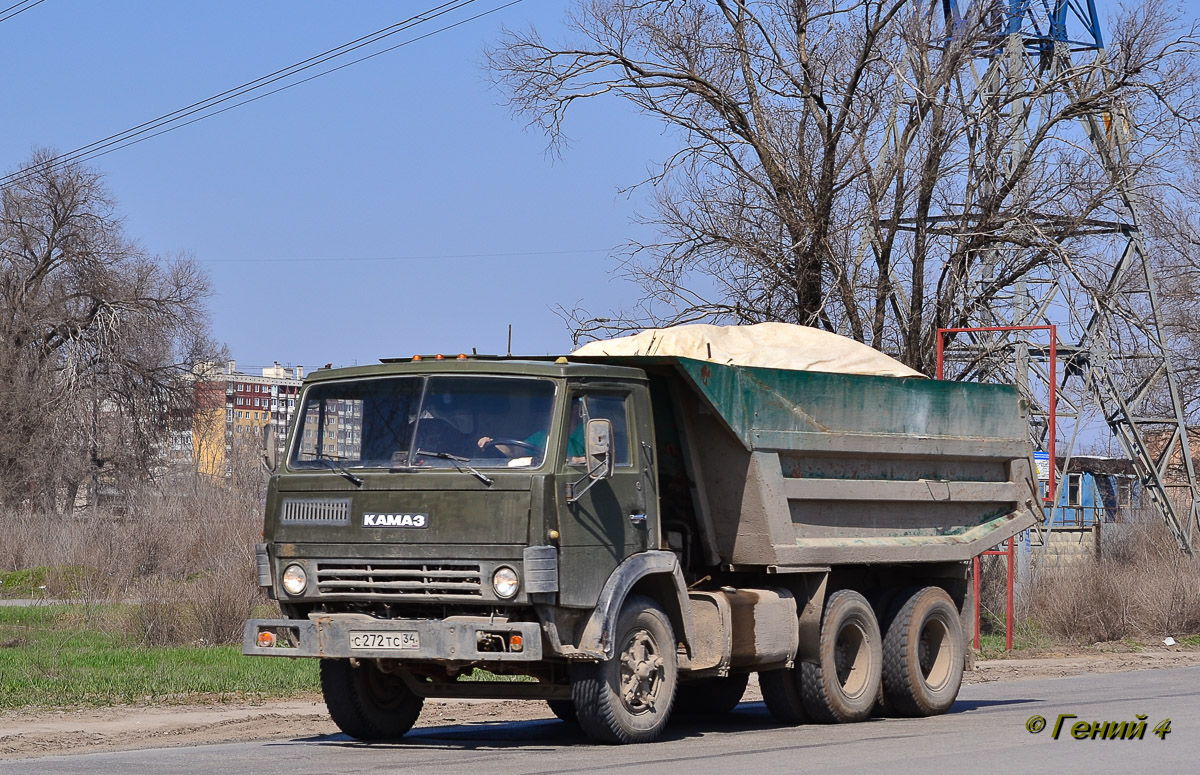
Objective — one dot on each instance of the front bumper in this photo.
(340, 636)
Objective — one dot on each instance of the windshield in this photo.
(401, 422)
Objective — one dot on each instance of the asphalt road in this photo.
(984, 732)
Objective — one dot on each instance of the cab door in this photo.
(615, 517)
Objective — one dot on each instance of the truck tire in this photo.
(923, 655)
(564, 710)
(844, 685)
(710, 696)
(781, 695)
(628, 699)
(367, 703)
(886, 602)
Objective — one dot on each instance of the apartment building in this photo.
(233, 409)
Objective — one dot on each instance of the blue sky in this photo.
(410, 154)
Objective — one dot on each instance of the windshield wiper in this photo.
(335, 466)
(461, 463)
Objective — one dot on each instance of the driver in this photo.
(575, 441)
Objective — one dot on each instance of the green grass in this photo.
(991, 646)
(42, 581)
(30, 582)
(31, 616)
(49, 657)
(1027, 637)
(1031, 640)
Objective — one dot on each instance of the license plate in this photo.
(385, 640)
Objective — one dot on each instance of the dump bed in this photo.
(803, 468)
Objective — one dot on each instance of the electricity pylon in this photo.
(1116, 356)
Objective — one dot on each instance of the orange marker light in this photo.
(462, 356)
(516, 643)
(416, 357)
(266, 640)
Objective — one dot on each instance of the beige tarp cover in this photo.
(766, 345)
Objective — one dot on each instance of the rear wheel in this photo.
(923, 655)
(844, 685)
(627, 699)
(781, 695)
(711, 696)
(886, 602)
(367, 703)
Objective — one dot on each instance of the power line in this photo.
(5, 15)
(170, 121)
(86, 151)
(126, 142)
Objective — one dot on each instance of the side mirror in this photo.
(599, 449)
(599, 458)
(270, 448)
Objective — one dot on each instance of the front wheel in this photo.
(367, 703)
(564, 710)
(628, 698)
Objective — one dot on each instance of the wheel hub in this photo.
(850, 659)
(933, 654)
(641, 672)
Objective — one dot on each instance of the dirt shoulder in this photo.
(1098, 660)
(32, 733)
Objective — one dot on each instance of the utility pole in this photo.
(1113, 348)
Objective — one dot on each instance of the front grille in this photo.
(385, 579)
(314, 511)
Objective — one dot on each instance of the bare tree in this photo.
(1175, 229)
(850, 163)
(97, 339)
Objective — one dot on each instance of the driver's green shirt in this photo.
(575, 444)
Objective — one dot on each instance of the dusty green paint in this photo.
(546, 367)
(958, 535)
(749, 399)
(977, 528)
(753, 434)
(469, 520)
(597, 532)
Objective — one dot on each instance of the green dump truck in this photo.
(635, 534)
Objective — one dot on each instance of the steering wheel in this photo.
(533, 449)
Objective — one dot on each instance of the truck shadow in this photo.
(966, 706)
(553, 734)
(546, 732)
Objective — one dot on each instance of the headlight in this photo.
(294, 579)
(505, 582)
